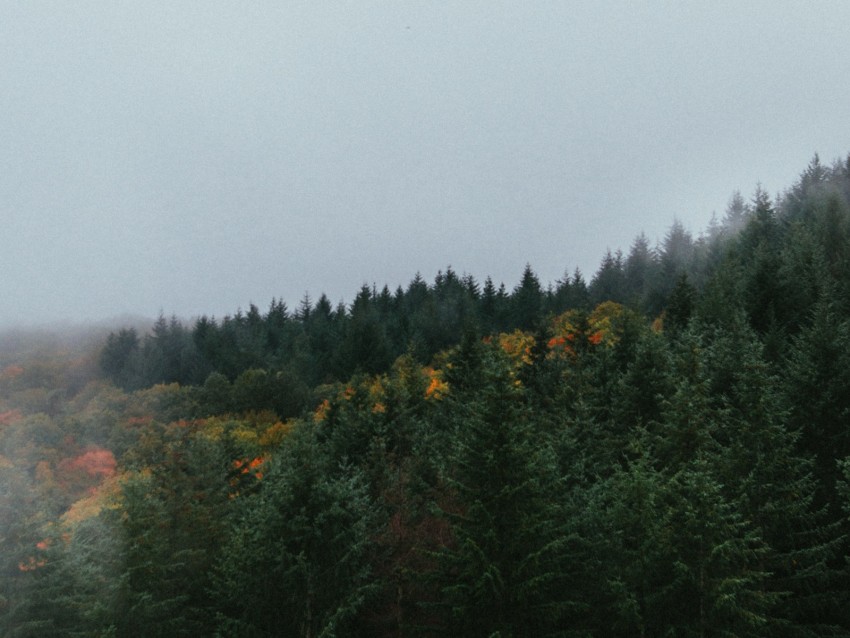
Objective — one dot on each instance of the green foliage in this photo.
(507, 571)
(295, 562)
(456, 459)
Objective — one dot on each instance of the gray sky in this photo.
(194, 157)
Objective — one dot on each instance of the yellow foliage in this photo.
(376, 387)
(321, 411)
(567, 323)
(600, 322)
(275, 434)
(102, 497)
(598, 327)
(43, 472)
(245, 435)
(658, 323)
(377, 395)
(518, 346)
(213, 429)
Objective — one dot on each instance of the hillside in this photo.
(663, 449)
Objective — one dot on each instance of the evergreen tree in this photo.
(609, 283)
(736, 214)
(816, 382)
(169, 528)
(763, 468)
(507, 570)
(681, 304)
(296, 560)
(119, 358)
(527, 301)
(639, 273)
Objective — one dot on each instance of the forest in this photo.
(662, 449)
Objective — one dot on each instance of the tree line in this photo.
(667, 454)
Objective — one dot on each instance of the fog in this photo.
(193, 158)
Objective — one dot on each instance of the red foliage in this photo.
(32, 563)
(555, 342)
(96, 462)
(10, 372)
(10, 416)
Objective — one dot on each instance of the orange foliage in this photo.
(251, 466)
(31, 564)
(437, 388)
(557, 342)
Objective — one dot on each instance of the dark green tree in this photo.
(119, 358)
(507, 571)
(680, 307)
(609, 282)
(296, 560)
(527, 301)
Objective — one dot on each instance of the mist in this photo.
(194, 160)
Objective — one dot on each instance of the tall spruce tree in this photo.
(507, 571)
(296, 559)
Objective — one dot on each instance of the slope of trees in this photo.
(663, 451)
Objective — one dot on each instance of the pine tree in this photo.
(763, 469)
(527, 301)
(640, 270)
(507, 571)
(296, 560)
(609, 282)
(683, 299)
(817, 375)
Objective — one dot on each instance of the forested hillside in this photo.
(663, 450)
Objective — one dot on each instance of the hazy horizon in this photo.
(193, 159)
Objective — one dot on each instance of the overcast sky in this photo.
(195, 157)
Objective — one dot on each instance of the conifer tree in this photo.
(295, 562)
(527, 301)
(817, 376)
(762, 467)
(507, 571)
